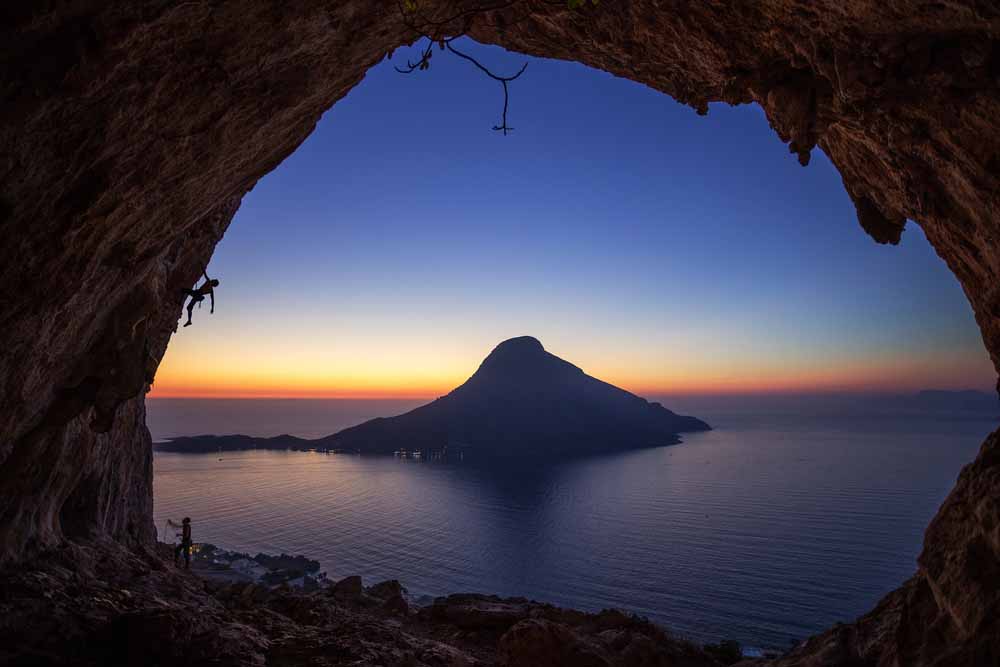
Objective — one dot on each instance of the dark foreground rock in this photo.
(532, 634)
(93, 604)
(98, 604)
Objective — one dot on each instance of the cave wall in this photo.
(130, 131)
(128, 135)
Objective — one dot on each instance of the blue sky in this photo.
(655, 248)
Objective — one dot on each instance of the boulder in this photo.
(396, 605)
(478, 612)
(537, 642)
(348, 589)
(385, 590)
(167, 636)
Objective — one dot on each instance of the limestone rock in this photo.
(477, 612)
(385, 590)
(348, 589)
(396, 605)
(541, 643)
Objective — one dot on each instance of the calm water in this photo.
(765, 530)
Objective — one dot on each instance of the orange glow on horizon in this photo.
(207, 388)
(844, 379)
(293, 393)
(384, 365)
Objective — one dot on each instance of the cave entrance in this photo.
(686, 259)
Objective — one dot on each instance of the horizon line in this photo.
(818, 391)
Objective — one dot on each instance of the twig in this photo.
(504, 80)
(423, 63)
(445, 43)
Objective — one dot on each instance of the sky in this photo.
(662, 251)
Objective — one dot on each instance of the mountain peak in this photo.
(521, 345)
(521, 359)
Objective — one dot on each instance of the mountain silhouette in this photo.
(523, 401)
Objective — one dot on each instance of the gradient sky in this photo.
(656, 249)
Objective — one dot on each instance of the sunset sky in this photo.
(656, 249)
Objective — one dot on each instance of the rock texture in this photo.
(129, 131)
(102, 605)
(529, 634)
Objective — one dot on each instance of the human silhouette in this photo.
(185, 545)
(198, 295)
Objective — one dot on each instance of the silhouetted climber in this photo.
(185, 545)
(198, 295)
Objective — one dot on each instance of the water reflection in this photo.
(763, 533)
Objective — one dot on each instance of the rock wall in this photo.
(130, 131)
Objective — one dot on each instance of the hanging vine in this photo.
(436, 31)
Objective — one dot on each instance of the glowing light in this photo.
(413, 370)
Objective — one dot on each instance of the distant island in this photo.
(522, 402)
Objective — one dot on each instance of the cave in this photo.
(131, 131)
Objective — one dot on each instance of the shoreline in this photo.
(224, 569)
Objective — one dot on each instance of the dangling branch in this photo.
(445, 43)
(504, 80)
(423, 63)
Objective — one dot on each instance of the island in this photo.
(522, 402)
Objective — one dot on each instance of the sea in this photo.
(792, 514)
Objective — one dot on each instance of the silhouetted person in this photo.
(198, 295)
(185, 545)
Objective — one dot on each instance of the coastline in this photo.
(231, 575)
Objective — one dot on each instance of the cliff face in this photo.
(130, 131)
